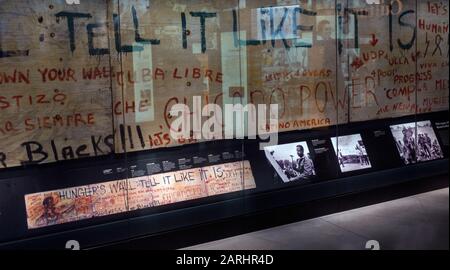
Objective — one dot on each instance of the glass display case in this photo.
(126, 118)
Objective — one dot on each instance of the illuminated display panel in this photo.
(292, 162)
(351, 153)
(85, 202)
(417, 142)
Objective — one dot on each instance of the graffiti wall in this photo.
(102, 76)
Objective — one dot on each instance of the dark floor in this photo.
(418, 222)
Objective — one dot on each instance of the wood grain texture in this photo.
(121, 81)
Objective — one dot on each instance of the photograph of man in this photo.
(303, 166)
(293, 162)
(364, 159)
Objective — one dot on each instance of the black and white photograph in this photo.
(293, 162)
(351, 153)
(416, 142)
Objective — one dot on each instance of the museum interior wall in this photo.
(117, 116)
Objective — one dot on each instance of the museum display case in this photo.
(125, 118)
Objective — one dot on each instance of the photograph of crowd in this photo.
(351, 153)
(292, 162)
(416, 142)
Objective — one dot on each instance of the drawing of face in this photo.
(324, 30)
(49, 207)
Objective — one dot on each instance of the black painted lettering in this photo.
(3, 160)
(71, 16)
(118, 39)
(35, 153)
(407, 46)
(137, 35)
(91, 35)
(203, 16)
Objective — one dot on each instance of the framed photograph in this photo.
(292, 162)
(351, 153)
(417, 142)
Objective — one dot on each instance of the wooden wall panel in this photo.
(122, 79)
